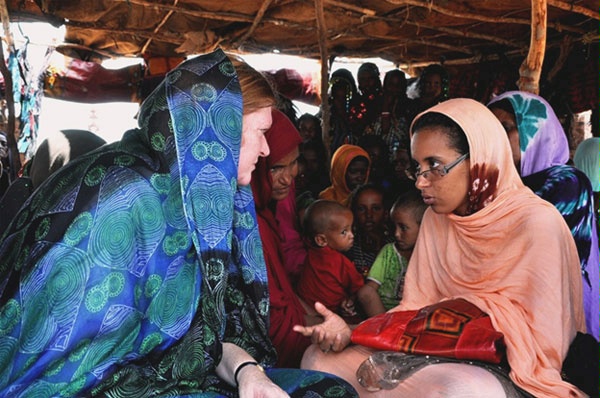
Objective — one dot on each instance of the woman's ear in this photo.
(321, 240)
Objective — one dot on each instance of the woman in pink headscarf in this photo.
(479, 241)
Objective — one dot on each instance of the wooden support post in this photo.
(14, 156)
(322, 32)
(531, 68)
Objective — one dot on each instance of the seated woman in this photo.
(350, 167)
(142, 275)
(540, 152)
(272, 182)
(478, 241)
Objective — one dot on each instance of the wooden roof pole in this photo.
(157, 28)
(15, 157)
(531, 68)
(322, 32)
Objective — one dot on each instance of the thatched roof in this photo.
(406, 32)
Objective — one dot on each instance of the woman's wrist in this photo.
(244, 368)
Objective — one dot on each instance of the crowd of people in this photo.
(229, 247)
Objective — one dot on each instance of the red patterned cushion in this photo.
(452, 328)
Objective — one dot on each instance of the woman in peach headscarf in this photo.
(350, 166)
(479, 241)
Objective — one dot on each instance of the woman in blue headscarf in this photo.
(541, 152)
(137, 269)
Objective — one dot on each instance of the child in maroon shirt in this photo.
(328, 276)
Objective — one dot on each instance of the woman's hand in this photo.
(254, 383)
(251, 380)
(333, 334)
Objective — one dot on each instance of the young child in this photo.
(383, 289)
(372, 229)
(328, 276)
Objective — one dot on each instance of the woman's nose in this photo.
(421, 181)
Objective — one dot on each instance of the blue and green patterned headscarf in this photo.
(126, 270)
(541, 136)
(587, 159)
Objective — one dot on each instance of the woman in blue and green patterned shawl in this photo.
(137, 269)
(541, 152)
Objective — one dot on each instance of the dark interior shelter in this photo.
(487, 46)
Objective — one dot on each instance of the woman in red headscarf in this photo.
(272, 181)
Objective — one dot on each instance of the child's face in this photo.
(406, 228)
(339, 234)
(308, 129)
(369, 210)
(356, 173)
(401, 164)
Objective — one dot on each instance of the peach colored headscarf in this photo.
(513, 257)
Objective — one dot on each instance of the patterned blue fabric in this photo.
(126, 270)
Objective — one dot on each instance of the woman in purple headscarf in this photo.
(541, 152)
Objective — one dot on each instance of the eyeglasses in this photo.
(439, 171)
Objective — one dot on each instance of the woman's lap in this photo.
(438, 380)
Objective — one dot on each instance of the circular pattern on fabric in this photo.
(10, 316)
(8, 348)
(263, 306)
(172, 77)
(96, 298)
(173, 208)
(113, 238)
(150, 342)
(22, 257)
(171, 309)
(94, 176)
(176, 242)
(157, 142)
(214, 269)
(210, 206)
(114, 284)
(252, 250)
(227, 69)
(161, 182)
(335, 391)
(124, 160)
(49, 312)
(79, 351)
(152, 285)
(227, 121)
(204, 92)
(189, 122)
(144, 213)
(73, 387)
(217, 152)
(22, 218)
(312, 378)
(244, 220)
(79, 228)
(43, 228)
(200, 150)
(55, 367)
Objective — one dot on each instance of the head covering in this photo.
(283, 137)
(285, 308)
(341, 159)
(587, 160)
(542, 139)
(529, 284)
(145, 246)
